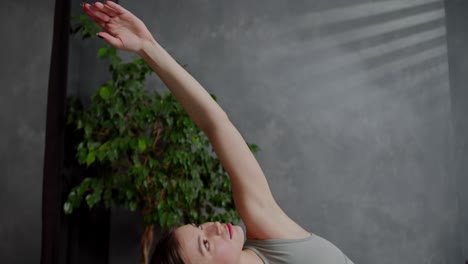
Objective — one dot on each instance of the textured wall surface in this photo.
(350, 103)
(26, 30)
(457, 37)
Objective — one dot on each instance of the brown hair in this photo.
(167, 249)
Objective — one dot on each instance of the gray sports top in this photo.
(311, 250)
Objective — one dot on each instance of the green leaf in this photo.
(88, 130)
(163, 219)
(101, 155)
(67, 208)
(193, 214)
(90, 200)
(90, 158)
(133, 143)
(102, 52)
(254, 148)
(142, 144)
(104, 92)
(129, 194)
(133, 206)
(160, 205)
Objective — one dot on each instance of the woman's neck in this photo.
(249, 257)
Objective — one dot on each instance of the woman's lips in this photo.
(229, 227)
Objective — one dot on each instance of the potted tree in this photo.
(151, 157)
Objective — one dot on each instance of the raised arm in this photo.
(262, 216)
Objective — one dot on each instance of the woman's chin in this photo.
(238, 233)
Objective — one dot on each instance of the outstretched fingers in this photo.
(106, 9)
(116, 7)
(102, 18)
(98, 16)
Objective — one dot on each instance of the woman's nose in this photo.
(215, 228)
(218, 228)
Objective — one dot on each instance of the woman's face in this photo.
(211, 243)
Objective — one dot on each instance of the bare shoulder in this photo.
(271, 222)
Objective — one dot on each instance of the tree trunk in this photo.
(146, 243)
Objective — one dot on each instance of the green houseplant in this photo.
(152, 158)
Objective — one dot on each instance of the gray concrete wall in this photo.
(26, 29)
(350, 103)
(457, 37)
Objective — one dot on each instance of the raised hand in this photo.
(122, 29)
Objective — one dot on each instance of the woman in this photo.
(272, 236)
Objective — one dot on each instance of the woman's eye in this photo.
(207, 245)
